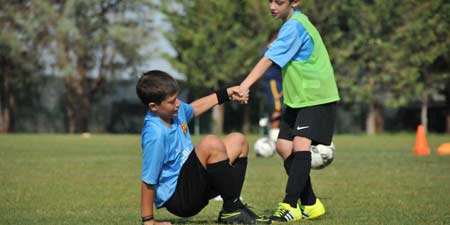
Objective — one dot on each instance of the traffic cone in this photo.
(444, 149)
(421, 148)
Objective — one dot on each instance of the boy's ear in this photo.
(153, 106)
(295, 3)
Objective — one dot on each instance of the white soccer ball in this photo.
(321, 156)
(264, 147)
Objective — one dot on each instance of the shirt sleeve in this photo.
(287, 44)
(153, 157)
(188, 111)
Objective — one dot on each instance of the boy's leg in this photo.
(284, 148)
(225, 178)
(299, 165)
(311, 123)
(299, 171)
(294, 149)
(237, 150)
(236, 146)
(211, 152)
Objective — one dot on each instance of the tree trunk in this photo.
(447, 130)
(2, 108)
(447, 109)
(78, 106)
(246, 123)
(70, 111)
(218, 118)
(374, 120)
(424, 110)
(1, 113)
(8, 107)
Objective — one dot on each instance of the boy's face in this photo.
(168, 108)
(282, 9)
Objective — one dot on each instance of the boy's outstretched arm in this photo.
(256, 73)
(204, 104)
(147, 196)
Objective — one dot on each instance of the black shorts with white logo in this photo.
(193, 190)
(313, 122)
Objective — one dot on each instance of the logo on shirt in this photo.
(184, 127)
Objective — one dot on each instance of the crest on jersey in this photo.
(184, 127)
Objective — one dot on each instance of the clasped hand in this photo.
(239, 94)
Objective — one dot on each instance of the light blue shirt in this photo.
(164, 151)
(292, 44)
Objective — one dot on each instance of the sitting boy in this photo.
(177, 176)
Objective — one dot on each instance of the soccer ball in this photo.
(264, 147)
(321, 156)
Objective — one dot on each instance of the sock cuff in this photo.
(219, 164)
(241, 161)
(302, 155)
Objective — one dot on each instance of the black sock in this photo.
(221, 176)
(307, 197)
(288, 163)
(298, 177)
(240, 167)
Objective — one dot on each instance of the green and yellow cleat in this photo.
(313, 211)
(286, 213)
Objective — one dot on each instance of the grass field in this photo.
(68, 179)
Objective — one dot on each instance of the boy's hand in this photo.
(242, 93)
(236, 94)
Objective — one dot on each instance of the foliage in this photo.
(19, 71)
(425, 43)
(216, 41)
(385, 52)
(86, 42)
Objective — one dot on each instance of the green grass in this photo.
(67, 179)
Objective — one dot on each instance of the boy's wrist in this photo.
(222, 95)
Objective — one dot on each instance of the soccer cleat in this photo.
(242, 216)
(286, 213)
(313, 211)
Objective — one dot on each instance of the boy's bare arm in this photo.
(147, 196)
(204, 104)
(256, 73)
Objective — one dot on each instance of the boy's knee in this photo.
(211, 143)
(240, 143)
(239, 138)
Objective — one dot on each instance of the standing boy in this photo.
(310, 95)
(177, 176)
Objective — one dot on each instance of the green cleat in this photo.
(313, 211)
(286, 213)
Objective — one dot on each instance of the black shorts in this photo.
(193, 191)
(313, 122)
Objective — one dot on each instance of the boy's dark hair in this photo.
(155, 86)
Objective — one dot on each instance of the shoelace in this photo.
(280, 211)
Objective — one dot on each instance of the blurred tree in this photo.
(360, 38)
(85, 42)
(217, 43)
(424, 38)
(19, 66)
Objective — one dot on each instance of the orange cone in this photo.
(444, 149)
(421, 148)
